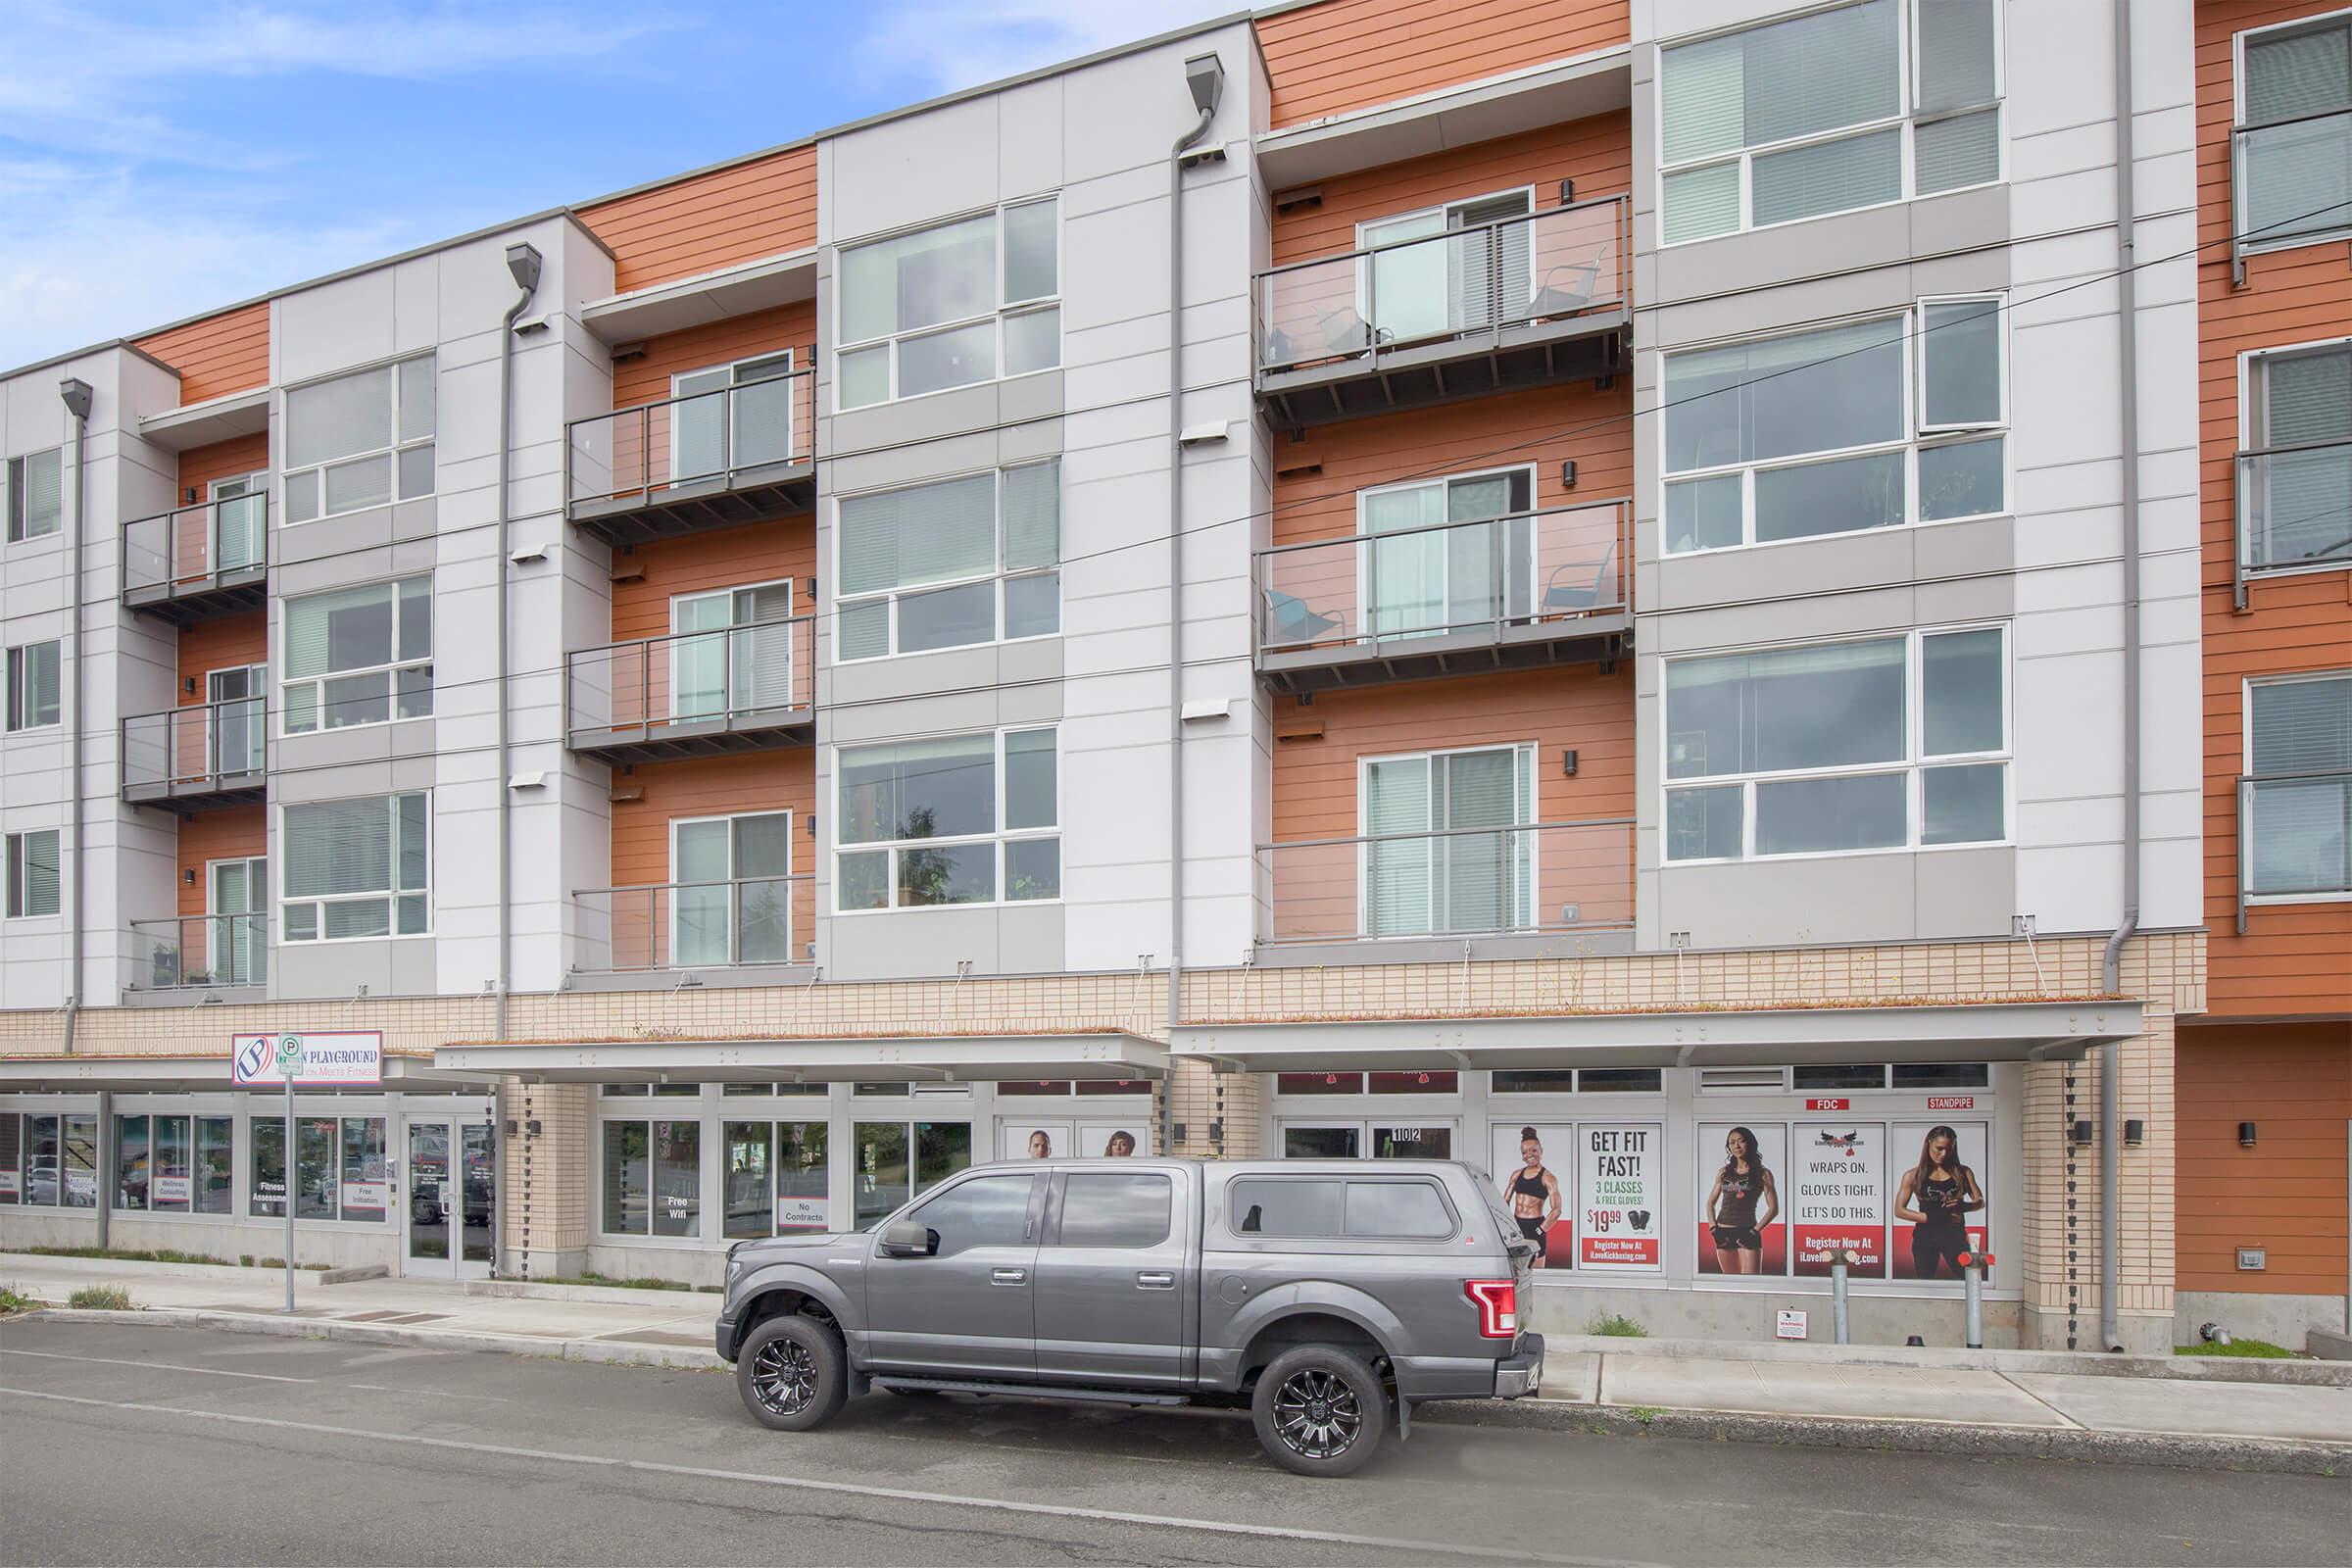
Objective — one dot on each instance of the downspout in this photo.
(1205, 77)
(522, 261)
(2111, 971)
(77, 394)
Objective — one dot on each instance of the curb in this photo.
(2076, 1363)
(601, 1353)
(2167, 1449)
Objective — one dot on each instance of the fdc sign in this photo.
(343, 1061)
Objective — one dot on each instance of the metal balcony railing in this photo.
(200, 951)
(200, 749)
(694, 925)
(195, 551)
(2287, 184)
(2294, 837)
(690, 692)
(709, 442)
(1550, 265)
(2295, 509)
(1540, 877)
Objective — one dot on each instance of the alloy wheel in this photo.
(784, 1376)
(1316, 1416)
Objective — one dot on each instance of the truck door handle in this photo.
(1007, 1276)
(1154, 1280)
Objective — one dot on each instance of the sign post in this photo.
(341, 1061)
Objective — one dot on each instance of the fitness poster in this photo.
(1535, 1171)
(1837, 1187)
(1618, 1185)
(1742, 1198)
(1941, 1196)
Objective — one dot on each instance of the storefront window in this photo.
(941, 1150)
(169, 1184)
(12, 1156)
(215, 1169)
(367, 1191)
(339, 1170)
(776, 1177)
(626, 1178)
(315, 1186)
(881, 1169)
(130, 1162)
(802, 1176)
(269, 1195)
(57, 1161)
(653, 1178)
(677, 1178)
(750, 1145)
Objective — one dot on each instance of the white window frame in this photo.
(391, 671)
(1918, 434)
(17, 702)
(1523, 758)
(999, 314)
(281, 934)
(19, 529)
(1368, 541)
(2315, 22)
(680, 640)
(2245, 720)
(1906, 119)
(15, 861)
(2247, 362)
(644, 1112)
(998, 837)
(1001, 576)
(1915, 763)
(731, 882)
(726, 403)
(393, 449)
(1365, 303)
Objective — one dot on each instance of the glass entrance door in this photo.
(447, 1191)
(237, 521)
(236, 946)
(240, 732)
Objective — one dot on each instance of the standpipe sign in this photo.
(345, 1060)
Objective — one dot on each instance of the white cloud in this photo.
(949, 44)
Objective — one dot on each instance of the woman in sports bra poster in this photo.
(1740, 1229)
(1536, 1193)
(1939, 1206)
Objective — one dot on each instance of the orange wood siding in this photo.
(199, 466)
(646, 378)
(1351, 54)
(236, 833)
(715, 786)
(2288, 1193)
(221, 643)
(2296, 957)
(217, 355)
(766, 207)
(727, 557)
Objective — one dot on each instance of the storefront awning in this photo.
(2006, 1031)
(77, 1074)
(904, 1059)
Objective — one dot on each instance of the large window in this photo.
(1870, 424)
(1427, 573)
(49, 1162)
(176, 1164)
(339, 1165)
(960, 819)
(359, 655)
(731, 417)
(1427, 867)
(732, 902)
(2299, 758)
(893, 1161)
(948, 564)
(359, 440)
(733, 653)
(32, 873)
(2295, 482)
(31, 490)
(358, 869)
(2293, 144)
(33, 685)
(950, 305)
(653, 1178)
(776, 1177)
(1880, 744)
(1827, 112)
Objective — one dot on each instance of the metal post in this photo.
(286, 1066)
(1972, 1276)
(1841, 1326)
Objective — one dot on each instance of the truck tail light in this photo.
(1498, 1306)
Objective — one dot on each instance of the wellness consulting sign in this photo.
(345, 1060)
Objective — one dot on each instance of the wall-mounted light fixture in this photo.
(2136, 1132)
(2081, 1134)
(1567, 191)
(1568, 474)
(1568, 762)
(187, 496)
(188, 876)
(2245, 1135)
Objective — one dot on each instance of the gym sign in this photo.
(346, 1060)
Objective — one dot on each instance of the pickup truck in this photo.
(1330, 1296)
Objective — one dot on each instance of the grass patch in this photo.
(2248, 1349)
(609, 1283)
(11, 1303)
(101, 1298)
(1616, 1326)
(160, 1254)
(1644, 1413)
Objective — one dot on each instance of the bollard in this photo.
(1838, 1259)
(1972, 1278)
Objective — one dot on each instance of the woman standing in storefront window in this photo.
(1741, 1207)
(1937, 1197)
(1534, 1194)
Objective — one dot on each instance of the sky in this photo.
(162, 160)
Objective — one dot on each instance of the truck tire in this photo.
(1320, 1411)
(792, 1373)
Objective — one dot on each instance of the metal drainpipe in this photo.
(2111, 972)
(506, 826)
(77, 394)
(1198, 129)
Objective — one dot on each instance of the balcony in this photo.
(200, 952)
(2294, 838)
(2294, 510)
(1451, 886)
(1450, 599)
(1492, 308)
(697, 925)
(198, 561)
(693, 694)
(2286, 184)
(713, 460)
(199, 758)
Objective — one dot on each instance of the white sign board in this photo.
(799, 1214)
(341, 1061)
(1790, 1325)
(171, 1190)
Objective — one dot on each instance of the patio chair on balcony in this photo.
(1576, 597)
(1289, 621)
(1345, 331)
(1565, 289)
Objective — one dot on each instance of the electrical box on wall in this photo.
(2253, 1259)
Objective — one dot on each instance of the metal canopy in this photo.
(194, 1075)
(909, 1058)
(2025, 1031)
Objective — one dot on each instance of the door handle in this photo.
(1154, 1280)
(1007, 1276)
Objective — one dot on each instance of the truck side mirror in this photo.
(906, 1238)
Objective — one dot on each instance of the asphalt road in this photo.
(135, 1445)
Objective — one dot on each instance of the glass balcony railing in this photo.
(2290, 184)
(710, 441)
(1499, 577)
(199, 746)
(2295, 838)
(200, 951)
(2295, 509)
(1550, 265)
(694, 925)
(690, 683)
(192, 548)
(1468, 881)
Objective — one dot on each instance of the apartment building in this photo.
(1369, 578)
(2265, 1077)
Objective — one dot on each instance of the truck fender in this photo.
(1324, 1297)
(807, 1282)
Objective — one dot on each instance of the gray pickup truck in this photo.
(1330, 1296)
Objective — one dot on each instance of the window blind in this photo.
(2303, 726)
(1949, 153)
(1831, 177)
(2303, 73)
(339, 846)
(1398, 800)
(2306, 397)
(41, 476)
(1790, 78)
(926, 533)
(1955, 54)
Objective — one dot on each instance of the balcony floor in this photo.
(1420, 376)
(674, 739)
(212, 793)
(754, 495)
(1588, 639)
(233, 593)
